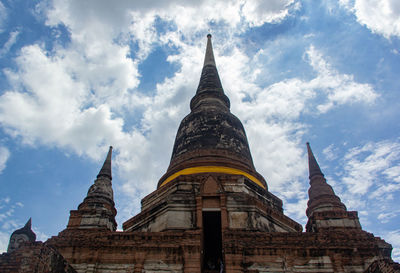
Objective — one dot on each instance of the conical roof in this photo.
(321, 195)
(98, 208)
(106, 169)
(211, 138)
(313, 166)
(27, 230)
(102, 186)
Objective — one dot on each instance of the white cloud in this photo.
(380, 16)
(4, 155)
(393, 173)
(9, 43)
(297, 210)
(330, 152)
(278, 155)
(101, 19)
(258, 12)
(275, 101)
(40, 236)
(57, 101)
(345, 3)
(287, 99)
(368, 182)
(339, 88)
(385, 217)
(364, 165)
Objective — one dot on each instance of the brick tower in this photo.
(97, 210)
(325, 210)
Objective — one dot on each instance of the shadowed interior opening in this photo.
(212, 241)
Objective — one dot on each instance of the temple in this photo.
(211, 212)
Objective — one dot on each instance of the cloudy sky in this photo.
(77, 76)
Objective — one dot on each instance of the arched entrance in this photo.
(212, 240)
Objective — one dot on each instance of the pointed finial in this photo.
(20, 236)
(313, 166)
(106, 169)
(27, 230)
(210, 91)
(209, 58)
(28, 224)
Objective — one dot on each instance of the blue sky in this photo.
(78, 76)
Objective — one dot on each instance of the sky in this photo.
(78, 76)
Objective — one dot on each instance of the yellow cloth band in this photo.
(212, 169)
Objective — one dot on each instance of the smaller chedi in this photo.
(21, 236)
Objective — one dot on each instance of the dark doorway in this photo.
(212, 241)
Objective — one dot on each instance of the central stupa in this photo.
(211, 170)
(211, 139)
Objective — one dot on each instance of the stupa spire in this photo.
(209, 57)
(324, 207)
(106, 169)
(97, 209)
(313, 166)
(210, 92)
(28, 224)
